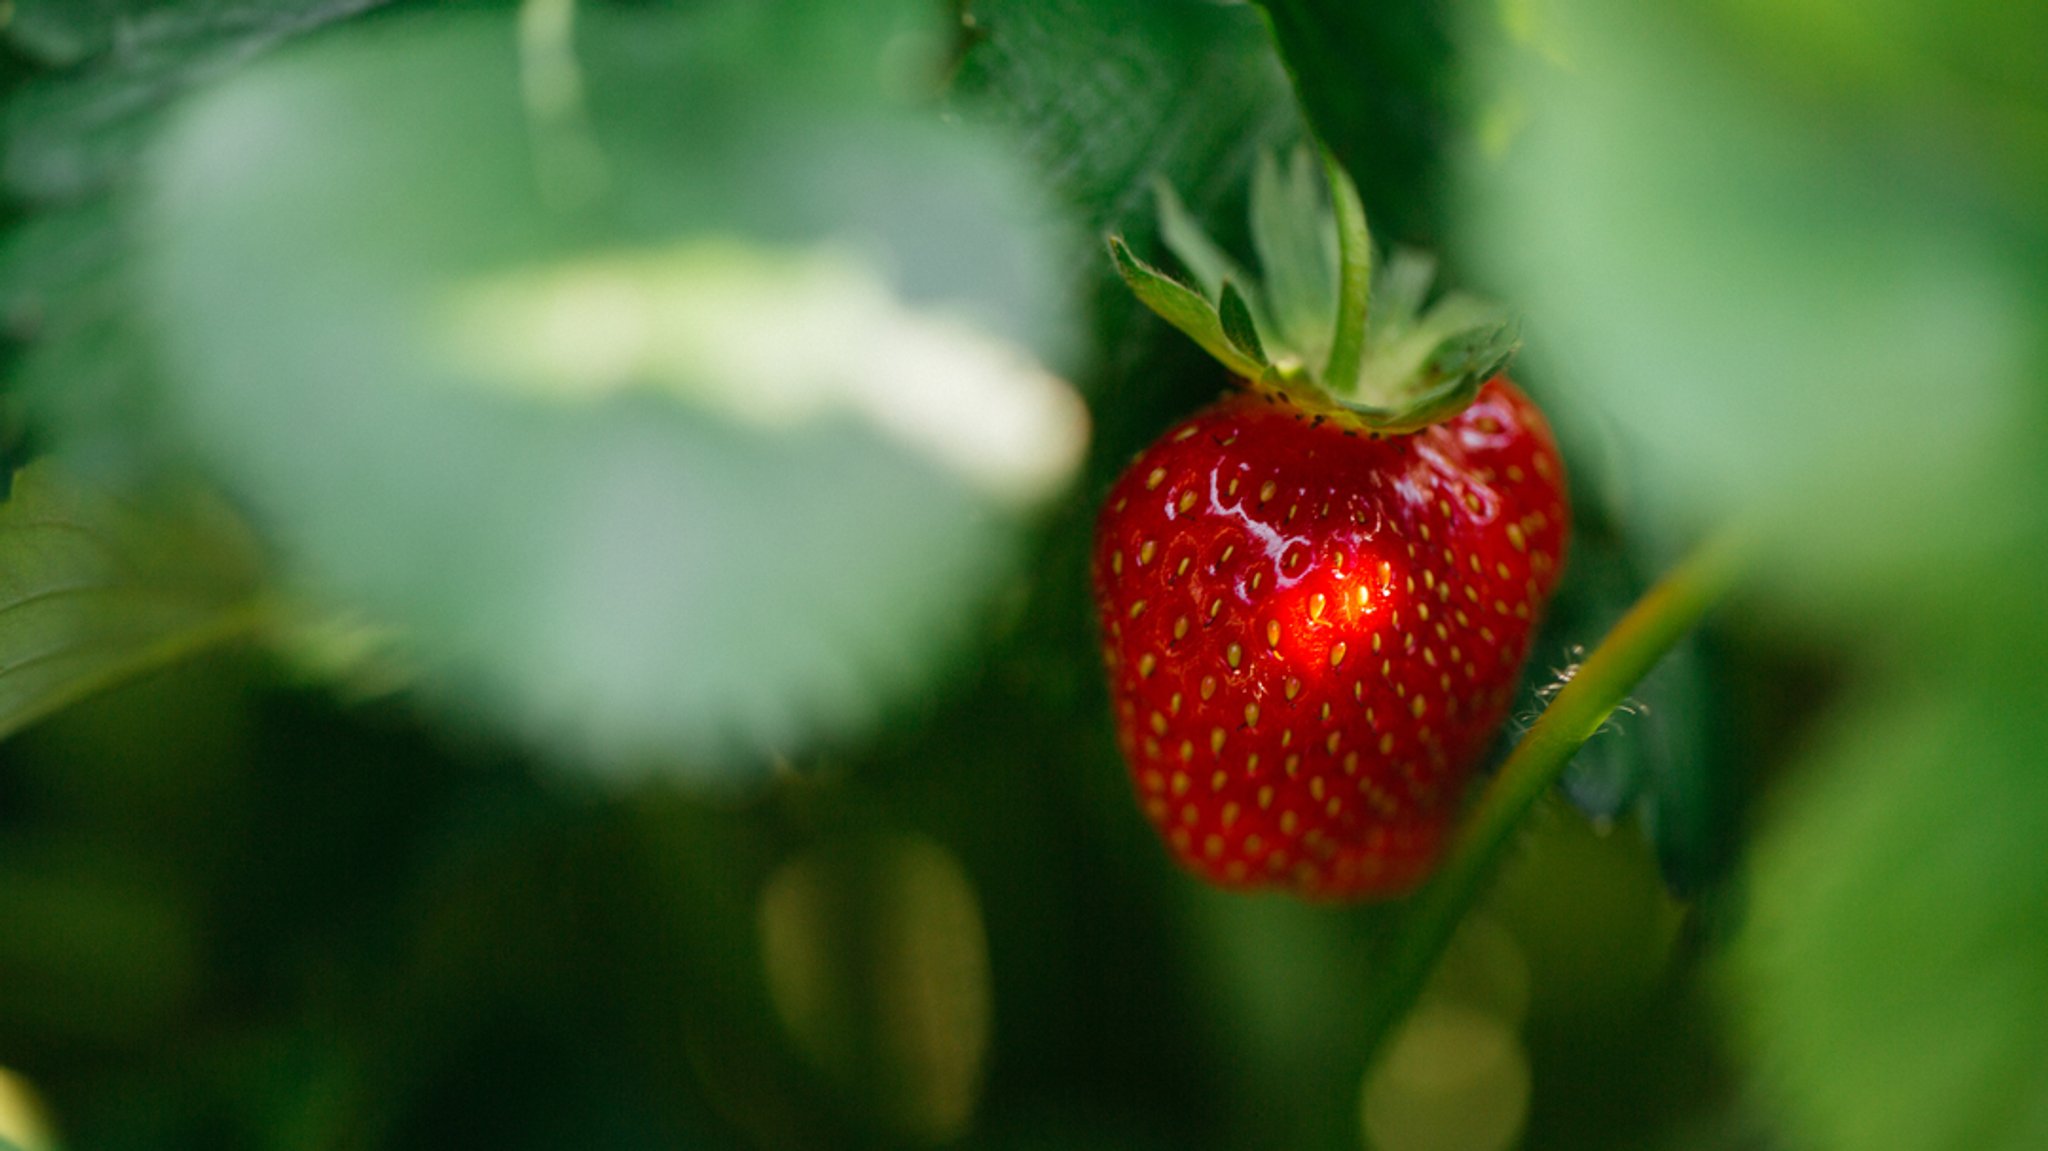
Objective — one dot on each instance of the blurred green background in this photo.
(542, 589)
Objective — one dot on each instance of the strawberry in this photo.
(1316, 601)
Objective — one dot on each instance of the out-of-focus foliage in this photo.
(587, 362)
(903, 1029)
(1816, 306)
(24, 1120)
(1893, 992)
(73, 132)
(672, 385)
(641, 528)
(96, 589)
(1796, 254)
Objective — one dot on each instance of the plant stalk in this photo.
(1650, 629)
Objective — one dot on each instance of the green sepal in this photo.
(1411, 355)
(1399, 287)
(1213, 271)
(1295, 239)
(1446, 381)
(1328, 320)
(1183, 307)
(1238, 326)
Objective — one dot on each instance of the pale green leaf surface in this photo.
(680, 479)
(94, 590)
(1889, 976)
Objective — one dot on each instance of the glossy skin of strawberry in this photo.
(1312, 632)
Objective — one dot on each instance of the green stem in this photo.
(1657, 621)
(1354, 280)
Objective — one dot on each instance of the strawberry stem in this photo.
(1657, 622)
(1354, 281)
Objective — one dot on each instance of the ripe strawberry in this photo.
(1315, 610)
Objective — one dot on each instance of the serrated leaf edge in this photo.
(1183, 307)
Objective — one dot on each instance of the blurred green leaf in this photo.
(698, 459)
(1889, 977)
(95, 590)
(1792, 318)
(71, 133)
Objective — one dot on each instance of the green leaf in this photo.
(1183, 307)
(148, 36)
(95, 590)
(700, 468)
(1110, 94)
(1889, 977)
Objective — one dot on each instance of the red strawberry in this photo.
(1313, 631)
(1316, 600)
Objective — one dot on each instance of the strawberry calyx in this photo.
(1325, 325)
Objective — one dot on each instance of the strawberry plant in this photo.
(627, 575)
(1327, 581)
